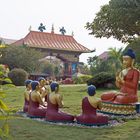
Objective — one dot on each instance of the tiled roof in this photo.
(103, 56)
(51, 41)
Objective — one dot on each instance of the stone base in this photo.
(120, 109)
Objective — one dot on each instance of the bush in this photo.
(102, 80)
(77, 80)
(85, 78)
(18, 76)
(81, 79)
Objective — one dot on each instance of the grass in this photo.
(22, 128)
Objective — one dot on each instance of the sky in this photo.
(18, 15)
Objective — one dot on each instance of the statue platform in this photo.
(120, 109)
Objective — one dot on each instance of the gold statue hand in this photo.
(118, 79)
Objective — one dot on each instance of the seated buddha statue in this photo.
(127, 80)
(26, 95)
(90, 104)
(55, 102)
(37, 107)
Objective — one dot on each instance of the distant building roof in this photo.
(51, 41)
(103, 56)
(7, 41)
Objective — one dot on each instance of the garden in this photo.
(15, 125)
(18, 127)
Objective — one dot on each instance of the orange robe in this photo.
(128, 90)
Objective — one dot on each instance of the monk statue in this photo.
(90, 104)
(26, 95)
(55, 102)
(127, 80)
(37, 107)
(44, 91)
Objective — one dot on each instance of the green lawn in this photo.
(22, 128)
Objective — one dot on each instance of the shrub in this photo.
(77, 80)
(18, 76)
(102, 80)
(81, 79)
(85, 78)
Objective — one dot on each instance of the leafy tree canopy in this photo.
(20, 57)
(112, 64)
(119, 19)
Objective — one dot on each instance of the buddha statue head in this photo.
(128, 58)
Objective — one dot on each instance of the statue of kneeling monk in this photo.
(55, 102)
(37, 107)
(127, 80)
(89, 106)
(26, 95)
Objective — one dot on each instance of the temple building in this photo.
(63, 47)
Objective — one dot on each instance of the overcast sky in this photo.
(18, 15)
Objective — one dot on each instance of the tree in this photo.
(47, 67)
(56, 71)
(4, 110)
(92, 61)
(111, 65)
(115, 59)
(84, 69)
(20, 57)
(98, 65)
(119, 19)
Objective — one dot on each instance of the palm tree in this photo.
(115, 58)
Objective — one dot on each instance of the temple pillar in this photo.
(74, 67)
(68, 69)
